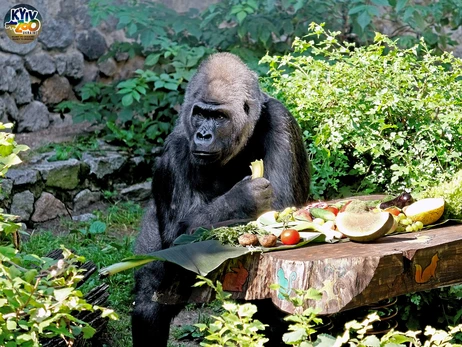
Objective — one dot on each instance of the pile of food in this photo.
(358, 220)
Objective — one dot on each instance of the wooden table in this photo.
(349, 274)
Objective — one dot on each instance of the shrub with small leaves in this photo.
(235, 326)
(375, 118)
(38, 295)
(39, 299)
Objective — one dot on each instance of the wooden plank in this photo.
(349, 274)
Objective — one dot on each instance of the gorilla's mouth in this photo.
(204, 156)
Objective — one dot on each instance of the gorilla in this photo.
(203, 177)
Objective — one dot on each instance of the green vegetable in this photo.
(321, 213)
(451, 192)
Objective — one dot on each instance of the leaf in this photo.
(294, 337)
(88, 332)
(371, 341)
(62, 294)
(364, 19)
(400, 5)
(152, 59)
(325, 340)
(11, 325)
(241, 16)
(381, 2)
(97, 227)
(127, 100)
(357, 9)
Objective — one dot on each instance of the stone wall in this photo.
(41, 190)
(37, 76)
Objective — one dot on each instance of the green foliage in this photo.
(232, 327)
(303, 324)
(39, 299)
(451, 191)
(102, 249)
(140, 111)
(95, 228)
(410, 20)
(235, 326)
(38, 296)
(375, 118)
(9, 149)
(69, 150)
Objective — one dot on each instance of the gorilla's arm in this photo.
(285, 157)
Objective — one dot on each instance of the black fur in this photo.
(225, 123)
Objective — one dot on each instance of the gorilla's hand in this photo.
(252, 196)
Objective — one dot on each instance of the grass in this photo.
(115, 243)
(122, 221)
(67, 150)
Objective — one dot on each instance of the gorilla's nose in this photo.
(203, 138)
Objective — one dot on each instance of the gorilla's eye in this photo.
(219, 115)
(246, 108)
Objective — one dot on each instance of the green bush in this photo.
(38, 296)
(141, 111)
(375, 118)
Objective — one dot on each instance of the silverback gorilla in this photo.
(202, 177)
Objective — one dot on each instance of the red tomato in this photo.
(332, 209)
(290, 236)
(393, 210)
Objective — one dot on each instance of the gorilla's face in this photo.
(211, 131)
(222, 105)
(216, 136)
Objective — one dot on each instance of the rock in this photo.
(47, 207)
(60, 174)
(3, 114)
(137, 192)
(33, 117)
(41, 63)
(7, 45)
(22, 205)
(67, 8)
(130, 66)
(90, 74)
(58, 121)
(22, 176)
(103, 166)
(121, 56)
(82, 18)
(55, 89)
(91, 43)
(6, 186)
(108, 67)
(86, 217)
(70, 64)
(10, 108)
(23, 92)
(56, 33)
(85, 198)
(7, 79)
(12, 60)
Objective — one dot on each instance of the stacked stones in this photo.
(35, 77)
(40, 190)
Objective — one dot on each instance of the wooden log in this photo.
(348, 274)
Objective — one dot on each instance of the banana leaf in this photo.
(201, 257)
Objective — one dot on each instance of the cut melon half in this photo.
(427, 211)
(365, 227)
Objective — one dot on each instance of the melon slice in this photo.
(427, 211)
(365, 227)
